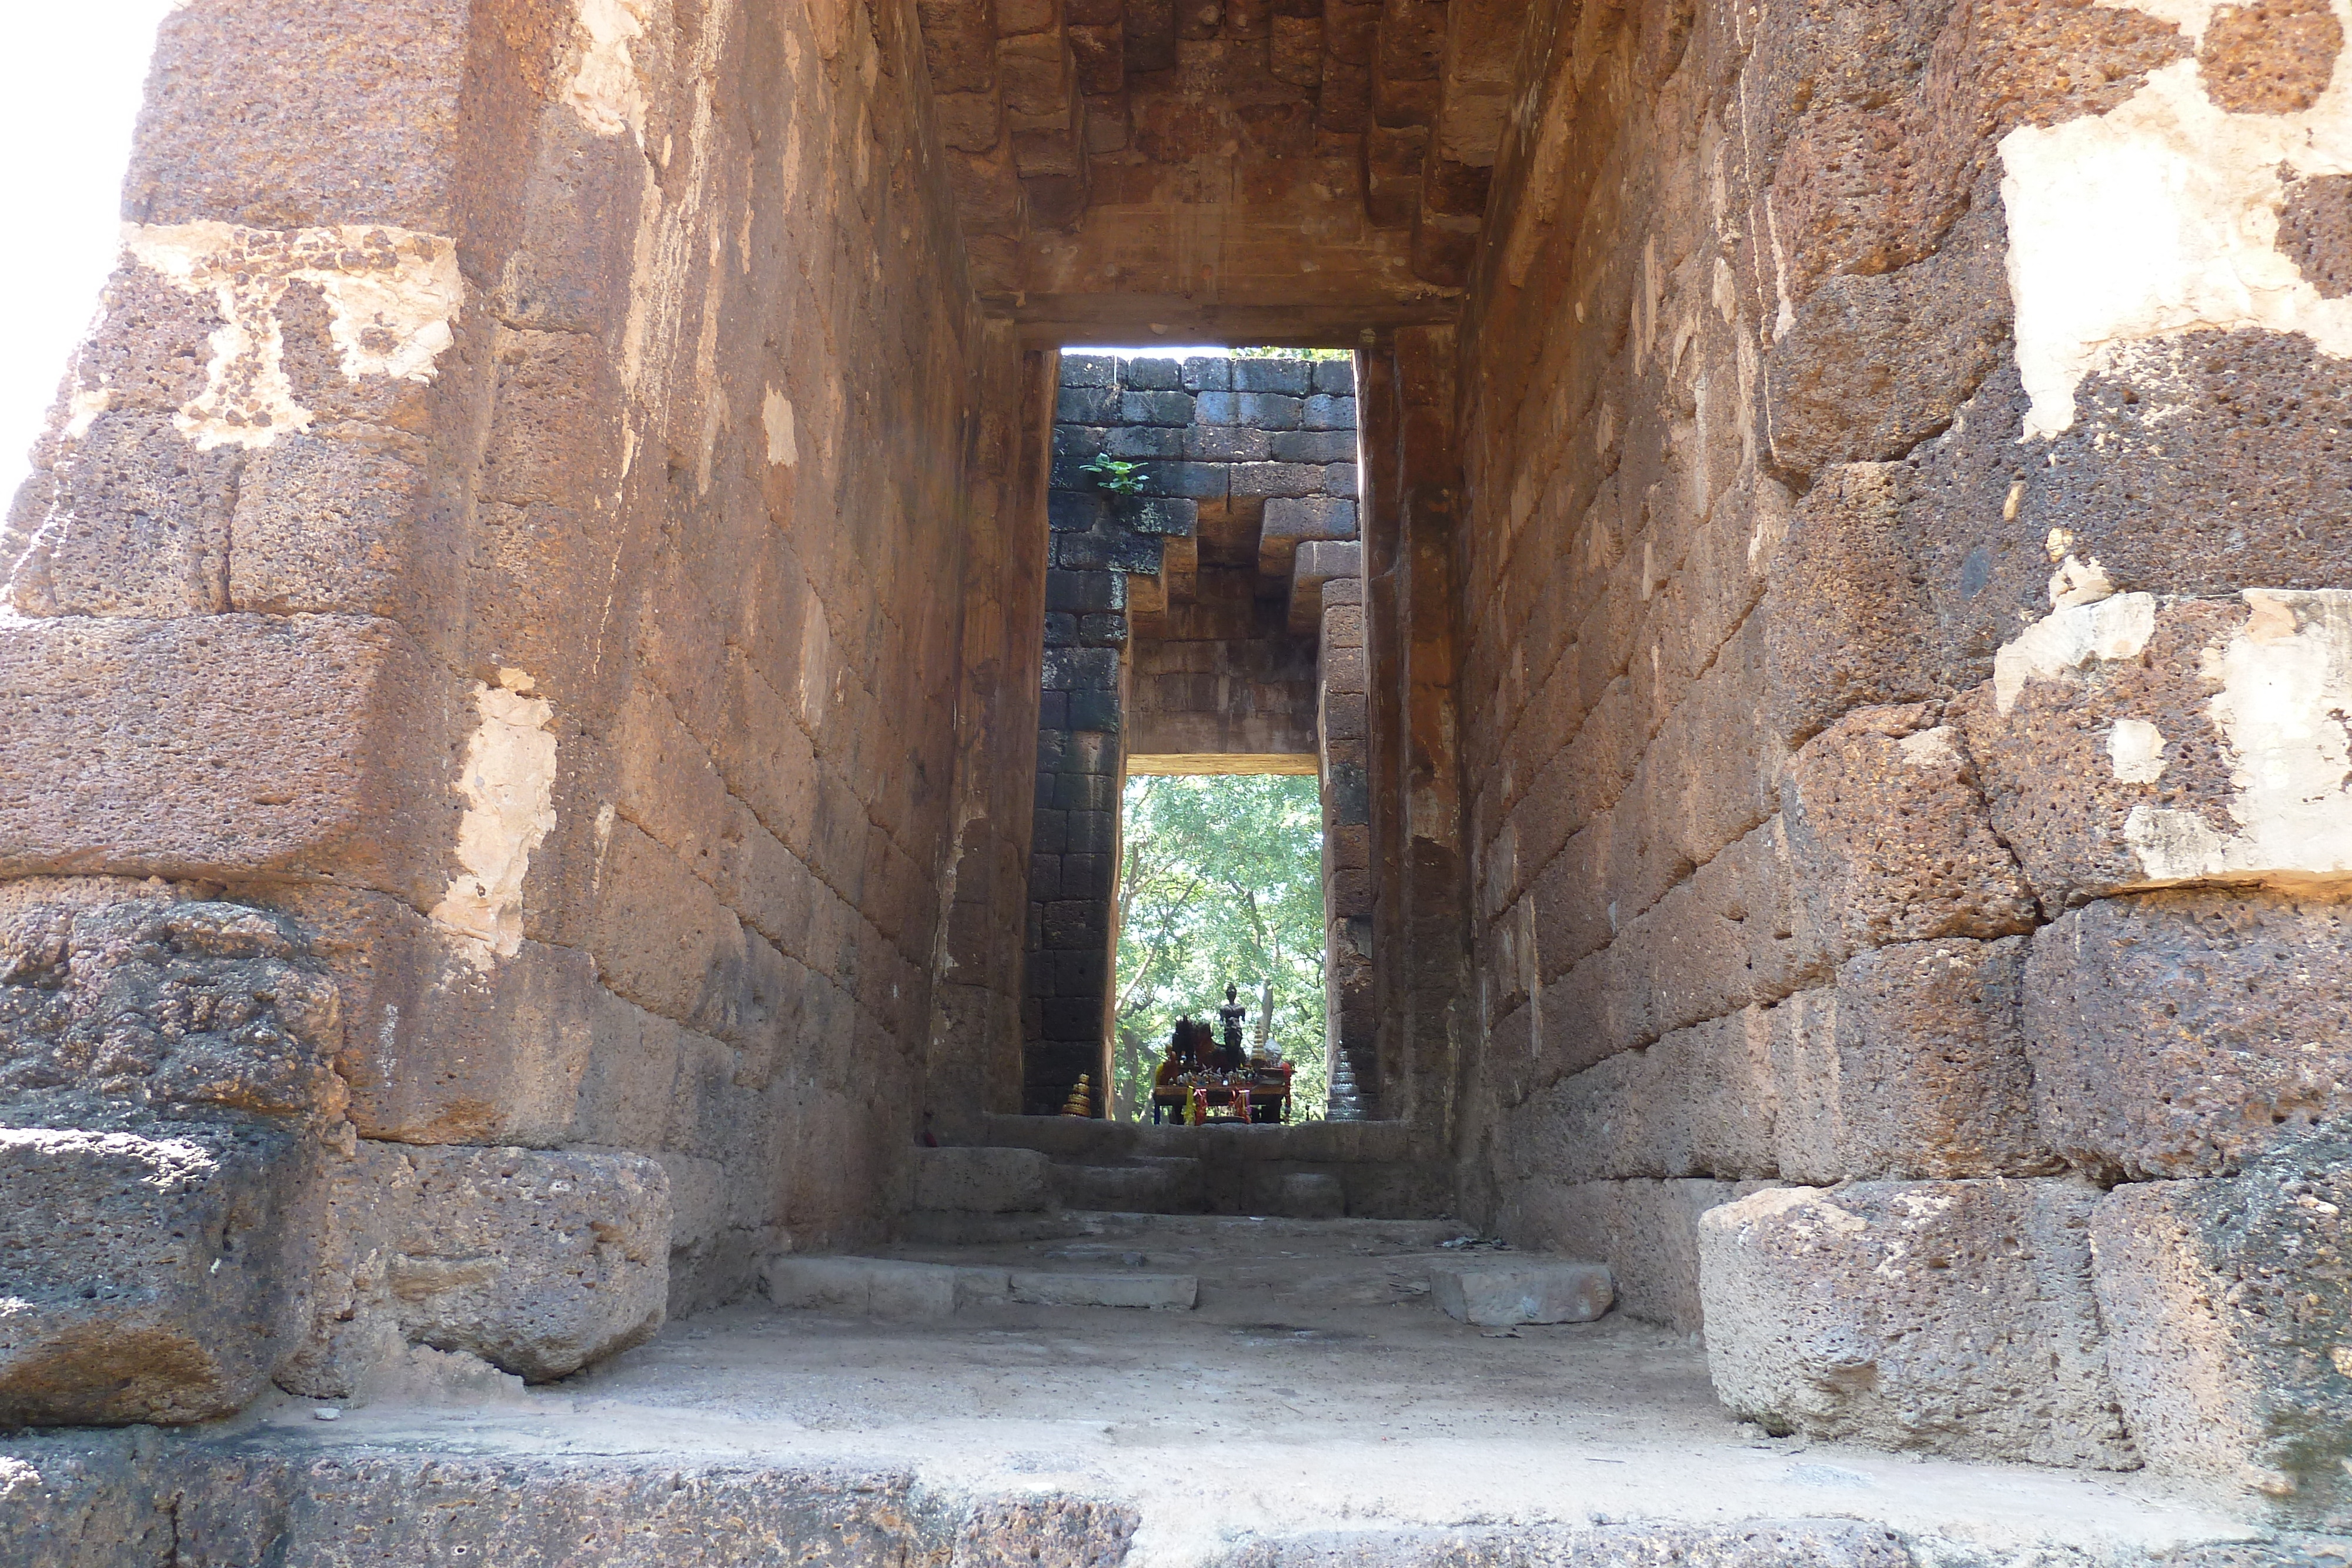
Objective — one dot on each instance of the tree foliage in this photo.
(1220, 882)
(1294, 353)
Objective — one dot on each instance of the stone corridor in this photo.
(565, 681)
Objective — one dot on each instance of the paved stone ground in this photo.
(1314, 1389)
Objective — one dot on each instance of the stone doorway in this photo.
(1204, 540)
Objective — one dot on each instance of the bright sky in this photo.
(70, 85)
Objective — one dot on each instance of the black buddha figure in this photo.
(1231, 1016)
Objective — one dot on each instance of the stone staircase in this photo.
(1003, 1224)
(1347, 1102)
(1305, 1170)
(1277, 1393)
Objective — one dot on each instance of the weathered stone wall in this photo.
(1180, 621)
(541, 516)
(1236, 172)
(1903, 738)
(1424, 1030)
(521, 643)
(1223, 659)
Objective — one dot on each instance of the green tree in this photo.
(1294, 353)
(1221, 882)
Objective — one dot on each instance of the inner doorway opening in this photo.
(1203, 507)
(1219, 890)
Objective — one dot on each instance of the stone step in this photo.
(1224, 1234)
(1146, 1185)
(984, 1180)
(1091, 1141)
(1507, 1293)
(962, 1227)
(890, 1287)
(1310, 1168)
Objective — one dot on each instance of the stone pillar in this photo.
(976, 1041)
(1419, 908)
(1098, 539)
(1350, 1020)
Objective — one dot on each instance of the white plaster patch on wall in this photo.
(392, 294)
(2079, 582)
(605, 90)
(2161, 217)
(83, 408)
(2135, 751)
(508, 782)
(2065, 640)
(1814, 1212)
(2285, 698)
(1929, 747)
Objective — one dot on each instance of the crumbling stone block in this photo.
(1890, 841)
(1503, 1294)
(155, 1276)
(1874, 363)
(155, 535)
(2185, 1033)
(1844, 613)
(111, 724)
(162, 1007)
(1953, 1317)
(2128, 743)
(1914, 1065)
(537, 1262)
(2229, 1311)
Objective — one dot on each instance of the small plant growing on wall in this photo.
(1116, 476)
